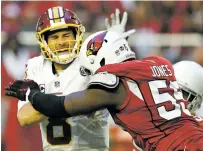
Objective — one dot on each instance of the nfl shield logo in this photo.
(57, 84)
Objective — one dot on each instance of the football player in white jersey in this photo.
(189, 75)
(60, 35)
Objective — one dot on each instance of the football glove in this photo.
(115, 24)
(20, 89)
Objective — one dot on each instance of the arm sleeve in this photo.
(55, 108)
(78, 103)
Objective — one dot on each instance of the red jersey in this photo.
(154, 112)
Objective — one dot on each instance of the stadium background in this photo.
(172, 29)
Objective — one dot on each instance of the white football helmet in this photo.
(189, 75)
(105, 47)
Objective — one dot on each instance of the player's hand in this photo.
(116, 25)
(19, 89)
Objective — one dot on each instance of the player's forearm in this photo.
(77, 103)
(27, 115)
(83, 102)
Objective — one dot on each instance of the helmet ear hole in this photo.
(102, 62)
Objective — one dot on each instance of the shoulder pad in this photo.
(105, 79)
(32, 67)
(35, 62)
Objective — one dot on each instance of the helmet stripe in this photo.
(50, 16)
(56, 14)
(61, 14)
(50, 13)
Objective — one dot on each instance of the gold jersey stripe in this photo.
(56, 14)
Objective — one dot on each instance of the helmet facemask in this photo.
(193, 99)
(63, 55)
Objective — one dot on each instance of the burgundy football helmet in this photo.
(57, 18)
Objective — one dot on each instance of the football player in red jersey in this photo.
(142, 96)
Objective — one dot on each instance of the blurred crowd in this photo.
(158, 16)
(148, 18)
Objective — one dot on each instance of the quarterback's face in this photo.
(60, 41)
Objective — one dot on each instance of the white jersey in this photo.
(87, 132)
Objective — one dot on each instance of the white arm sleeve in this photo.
(29, 74)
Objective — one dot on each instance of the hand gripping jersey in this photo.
(154, 111)
(87, 133)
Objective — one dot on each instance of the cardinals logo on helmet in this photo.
(95, 44)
